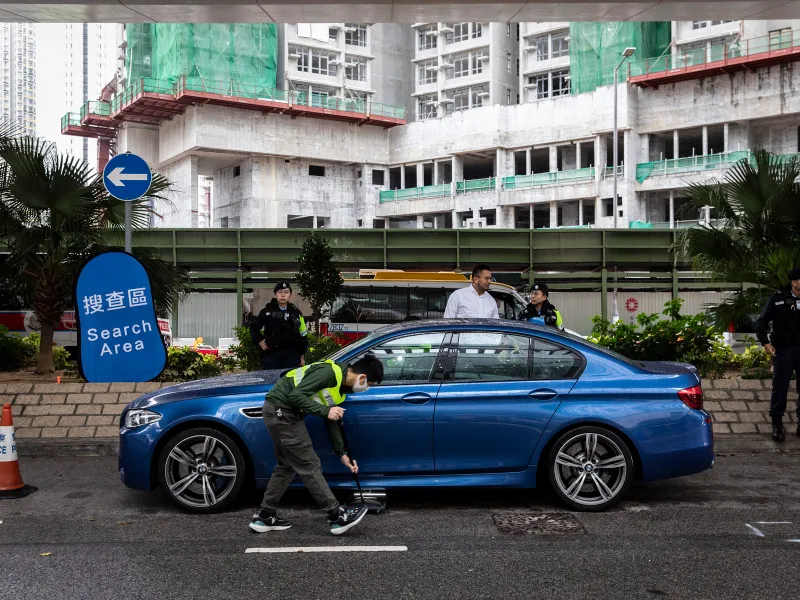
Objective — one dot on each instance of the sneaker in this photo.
(348, 517)
(262, 523)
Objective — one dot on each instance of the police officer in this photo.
(778, 329)
(539, 309)
(283, 341)
(315, 390)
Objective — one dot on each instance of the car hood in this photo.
(227, 385)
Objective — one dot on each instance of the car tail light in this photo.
(692, 397)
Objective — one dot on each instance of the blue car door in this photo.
(390, 427)
(498, 395)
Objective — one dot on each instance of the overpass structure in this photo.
(387, 11)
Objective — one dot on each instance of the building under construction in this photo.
(444, 125)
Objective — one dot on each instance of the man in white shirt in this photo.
(475, 301)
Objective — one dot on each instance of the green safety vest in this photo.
(328, 396)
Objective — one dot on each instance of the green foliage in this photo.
(185, 364)
(320, 346)
(247, 354)
(755, 238)
(755, 363)
(689, 339)
(17, 352)
(318, 277)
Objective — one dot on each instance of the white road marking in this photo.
(773, 522)
(796, 541)
(756, 531)
(300, 549)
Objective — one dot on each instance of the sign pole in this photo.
(128, 234)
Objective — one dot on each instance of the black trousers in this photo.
(280, 359)
(787, 361)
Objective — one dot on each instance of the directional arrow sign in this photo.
(127, 177)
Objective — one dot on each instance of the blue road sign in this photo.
(127, 177)
(118, 336)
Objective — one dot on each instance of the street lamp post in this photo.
(615, 206)
(625, 54)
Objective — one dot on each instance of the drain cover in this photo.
(537, 523)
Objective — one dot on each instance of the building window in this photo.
(223, 222)
(508, 96)
(427, 107)
(477, 30)
(561, 82)
(467, 63)
(704, 24)
(314, 61)
(608, 203)
(427, 39)
(355, 35)
(508, 62)
(517, 31)
(517, 67)
(377, 177)
(460, 32)
(461, 99)
(542, 85)
(542, 48)
(478, 93)
(508, 29)
(237, 171)
(560, 43)
(356, 69)
(517, 98)
(333, 36)
(780, 39)
(428, 72)
(316, 171)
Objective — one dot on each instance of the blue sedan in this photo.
(464, 403)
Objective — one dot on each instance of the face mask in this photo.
(361, 385)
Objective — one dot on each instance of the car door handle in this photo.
(543, 394)
(416, 398)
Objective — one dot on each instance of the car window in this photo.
(553, 361)
(408, 359)
(490, 356)
(507, 306)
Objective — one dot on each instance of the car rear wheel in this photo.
(590, 468)
(201, 470)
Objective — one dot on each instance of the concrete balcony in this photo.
(677, 172)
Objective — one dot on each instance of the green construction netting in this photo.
(596, 48)
(243, 54)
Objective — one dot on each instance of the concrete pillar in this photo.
(598, 212)
(672, 209)
(458, 171)
(705, 140)
(528, 163)
(675, 144)
(420, 175)
(402, 177)
(674, 48)
(184, 195)
(726, 136)
(530, 217)
(456, 220)
(553, 158)
(499, 168)
(314, 223)
(420, 222)
(554, 214)
(600, 155)
(436, 222)
(436, 172)
(580, 211)
(577, 155)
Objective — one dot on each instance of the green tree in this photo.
(54, 216)
(753, 239)
(318, 276)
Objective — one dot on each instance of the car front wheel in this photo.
(590, 468)
(201, 470)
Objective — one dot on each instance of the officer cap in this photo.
(541, 287)
(282, 285)
(794, 274)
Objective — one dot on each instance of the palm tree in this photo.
(54, 216)
(754, 240)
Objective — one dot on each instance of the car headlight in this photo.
(139, 417)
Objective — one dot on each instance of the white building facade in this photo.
(18, 81)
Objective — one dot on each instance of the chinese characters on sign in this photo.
(8, 444)
(114, 301)
(119, 336)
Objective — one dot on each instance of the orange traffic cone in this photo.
(11, 484)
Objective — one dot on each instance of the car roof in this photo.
(466, 323)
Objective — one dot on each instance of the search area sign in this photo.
(118, 334)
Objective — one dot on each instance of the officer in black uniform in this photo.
(540, 309)
(283, 340)
(778, 329)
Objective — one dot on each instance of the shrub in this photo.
(185, 364)
(247, 354)
(754, 363)
(690, 339)
(320, 346)
(16, 352)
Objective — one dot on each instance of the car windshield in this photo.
(362, 343)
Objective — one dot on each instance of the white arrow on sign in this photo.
(118, 177)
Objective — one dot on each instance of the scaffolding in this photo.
(596, 49)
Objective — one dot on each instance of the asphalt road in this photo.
(685, 538)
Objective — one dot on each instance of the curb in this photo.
(730, 443)
(723, 444)
(68, 448)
